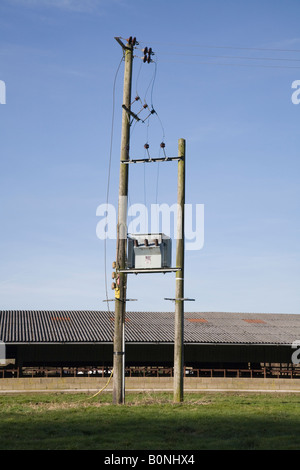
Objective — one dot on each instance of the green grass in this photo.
(150, 422)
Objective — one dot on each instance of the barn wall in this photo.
(145, 354)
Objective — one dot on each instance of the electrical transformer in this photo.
(149, 251)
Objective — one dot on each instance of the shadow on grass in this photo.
(202, 425)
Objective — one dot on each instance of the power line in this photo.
(240, 65)
(174, 52)
(227, 47)
(147, 54)
(137, 79)
(232, 57)
(108, 177)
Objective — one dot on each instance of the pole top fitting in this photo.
(128, 47)
(132, 41)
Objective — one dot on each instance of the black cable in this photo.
(226, 47)
(162, 127)
(109, 173)
(153, 83)
(152, 111)
(232, 57)
(157, 182)
(238, 65)
(137, 79)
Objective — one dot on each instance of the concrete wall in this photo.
(93, 384)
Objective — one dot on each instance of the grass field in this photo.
(150, 422)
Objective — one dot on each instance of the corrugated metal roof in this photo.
(150, 327)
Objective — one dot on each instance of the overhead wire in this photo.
(152, 83)
(147, 119)
(107, 199)
(209, 46)
(163, 132)
(176, 52)
(109, 175)
(154, 112)
(283, 59)
(137, 79)
(241, 65)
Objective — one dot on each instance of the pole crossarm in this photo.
(182, 299)
(122, 44)
(151, 160)
(149, 271)
(128, 111)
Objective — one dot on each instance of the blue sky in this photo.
(223, 82)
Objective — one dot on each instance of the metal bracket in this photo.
(151, 160)
(135, 116)
(122, 44)
(149, 271)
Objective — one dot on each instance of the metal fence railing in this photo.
(278, 371)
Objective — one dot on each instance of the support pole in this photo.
(120, 303)
(179, 290)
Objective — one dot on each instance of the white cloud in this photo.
(68, 5)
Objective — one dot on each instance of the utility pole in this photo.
(121, 285)
(179, 290)
(121, 272)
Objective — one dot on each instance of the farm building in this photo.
(212, 341)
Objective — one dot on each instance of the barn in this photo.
(214, 342)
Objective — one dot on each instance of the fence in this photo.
(277, 371)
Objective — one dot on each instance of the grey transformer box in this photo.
(149, 251)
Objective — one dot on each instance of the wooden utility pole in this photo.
(179, 290)
(120, 264)
(120, 293)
